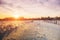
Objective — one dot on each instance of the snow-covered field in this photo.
(53, 21)
(29, 30)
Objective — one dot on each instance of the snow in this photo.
(34, 30)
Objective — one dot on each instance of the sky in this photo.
(29, 8)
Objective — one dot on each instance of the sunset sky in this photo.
(29, 8)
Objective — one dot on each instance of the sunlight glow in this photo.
(16, 16)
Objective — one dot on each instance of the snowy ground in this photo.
(53, 21)
(33, 30)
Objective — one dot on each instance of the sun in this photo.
(16, 16)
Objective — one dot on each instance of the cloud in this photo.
(32, 6)
(18, 3)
